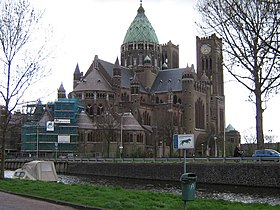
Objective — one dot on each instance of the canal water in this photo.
(230, 193)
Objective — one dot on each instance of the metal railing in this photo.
(157, 160)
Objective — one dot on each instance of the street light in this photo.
(215, 141)
(201, 149)
(121, 144)
(37, 139)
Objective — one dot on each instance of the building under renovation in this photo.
(134, 106)
(161, 99)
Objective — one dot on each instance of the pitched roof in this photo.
(93, 80)
(129, 122)
(168, 78)
(84, 121)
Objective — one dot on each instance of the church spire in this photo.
(140, 3)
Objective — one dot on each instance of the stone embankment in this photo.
(242, 174)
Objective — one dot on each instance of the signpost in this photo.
(185, 141)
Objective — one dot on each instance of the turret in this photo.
(135, 93)
(188, 81)
(61, 93)
(117, 76)
(77, 76)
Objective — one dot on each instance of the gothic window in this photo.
(90, 137)
(81, 137)
(175, 60)
(157, 99)
(130, 60)
(175, 99)
(89, 109)
(179, 101)
(140, 138)
(100, 109)
(199, 114)
(140, 59)
(202, 64)
(125, 96)
(147, 118)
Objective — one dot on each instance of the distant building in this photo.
(233, 139)
(12, 135)
(160, 98)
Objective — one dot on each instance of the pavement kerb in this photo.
(63, 203)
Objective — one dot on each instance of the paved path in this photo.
(15, 202)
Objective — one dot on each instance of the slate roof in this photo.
(165, 79)
(84, 121)
(93, 80)
(130, 123)
(168, 78)
(127, 74)
(230, 128)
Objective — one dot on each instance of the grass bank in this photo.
(117, 198)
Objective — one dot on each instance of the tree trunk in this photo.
(259, 121)
(3, 142)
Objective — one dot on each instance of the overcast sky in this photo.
(85, 28)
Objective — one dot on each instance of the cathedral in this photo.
(135, 105)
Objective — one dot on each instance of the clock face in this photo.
(205, 49)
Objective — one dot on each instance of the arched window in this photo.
(175, 99)
(147, 118)
(199, 114)
(157, 99)
(100, 109)
(89, 109)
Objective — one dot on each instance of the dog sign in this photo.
(183, 141)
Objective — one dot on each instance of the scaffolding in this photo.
(52, 128)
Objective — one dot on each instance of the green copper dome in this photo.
(140, 29)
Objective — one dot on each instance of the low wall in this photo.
(243, 174)
(60, 166)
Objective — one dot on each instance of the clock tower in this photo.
(210, 61)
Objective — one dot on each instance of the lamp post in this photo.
(37, 139)
(201, 149)
(215, 141)
(121, 143)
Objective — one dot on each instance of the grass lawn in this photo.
(117, 198)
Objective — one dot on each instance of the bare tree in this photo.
(250, 33)
(22, 62)
(108, 126)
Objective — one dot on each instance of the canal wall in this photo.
(240, 174)
(60, 166)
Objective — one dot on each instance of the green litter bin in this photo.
(188, 181)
